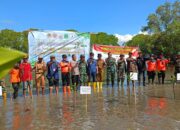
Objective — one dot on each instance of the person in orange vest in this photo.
(151, 69)
(65, 74)
(15, 79)
(161, 67)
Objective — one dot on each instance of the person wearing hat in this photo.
(111, 68)
(161, 67)
(100, 71)
(141, 65)
(83, 70)
(53, 74)
(177, 64)
(131, 68)
(26, 75)
(121, 70)
(65, 74)
(40, 68)
(92, 70)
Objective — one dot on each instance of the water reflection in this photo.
(114, 108)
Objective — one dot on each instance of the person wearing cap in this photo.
(131, 68)
(82, 70)
(177, 64)
(53, 74)
(161, 67)
(65, 74)
(141, 65)
(26, 76)
(151, 69)
(121, 70)
(92, 70)
(100, 71)
(15, 79)
(40, 68)
(74, 72)
(111, 68)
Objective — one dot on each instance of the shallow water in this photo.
(118, 108)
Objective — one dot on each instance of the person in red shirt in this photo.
(65, 74)
(26, 76)
(161, 67)
(15, 79)
(151, 69)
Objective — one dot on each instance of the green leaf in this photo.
(8, 58)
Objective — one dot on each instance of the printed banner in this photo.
(47, 43)
(115, 50)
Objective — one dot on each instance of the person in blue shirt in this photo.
(53, 74)
(92, 70)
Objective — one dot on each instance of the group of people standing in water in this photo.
(92, 72)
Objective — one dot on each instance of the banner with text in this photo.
(46, 43)
(115, 50)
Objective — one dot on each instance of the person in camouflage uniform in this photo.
(131, 67)
(177, 65)
(121, 70)
(111, 68)
(83, 70)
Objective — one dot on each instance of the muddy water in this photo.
(118, 108)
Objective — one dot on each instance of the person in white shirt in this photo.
(74, 72)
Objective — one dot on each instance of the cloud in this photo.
(125, 38)
(145, 33)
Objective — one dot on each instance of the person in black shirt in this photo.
(141, 64)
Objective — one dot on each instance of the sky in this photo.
(122, 17)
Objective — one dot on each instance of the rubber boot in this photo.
(68, 89)
(89, 84)
(101, 86)
(97, 84)
(64, 89)
(94, 85)
(4, 95)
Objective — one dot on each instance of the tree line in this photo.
(19, 40)
(163, 29)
